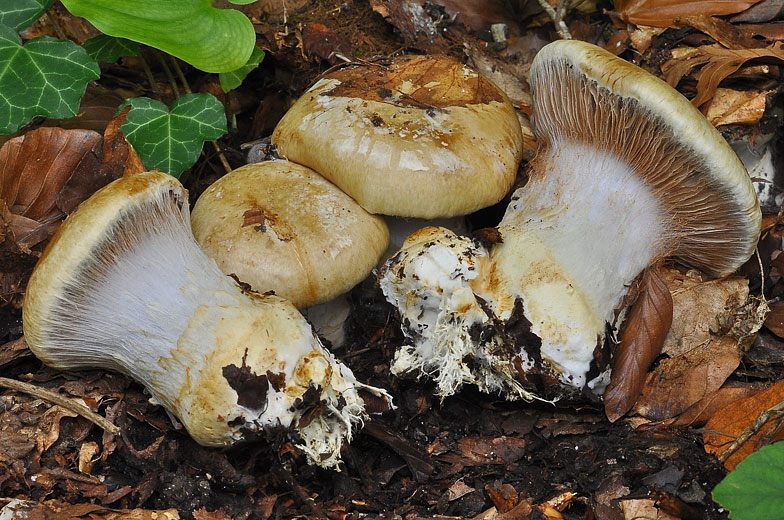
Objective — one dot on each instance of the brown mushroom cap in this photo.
(280, 226)
(416, 136)
(584, 94)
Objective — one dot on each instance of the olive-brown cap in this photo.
(583, 94)
(414, 136)
(281, 227)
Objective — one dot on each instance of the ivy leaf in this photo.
(108, 49)
(647, 325)
(213, 40)
(19, 14)
(755, 490)
(231, 80)
(171, 140)
(45, 77)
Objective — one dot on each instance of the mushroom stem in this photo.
(124, 286)
(574, 238)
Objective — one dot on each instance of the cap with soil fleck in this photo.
(413, 136)
(279, 226)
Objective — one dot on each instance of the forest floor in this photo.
(471, 455)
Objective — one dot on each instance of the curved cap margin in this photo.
(717, 162)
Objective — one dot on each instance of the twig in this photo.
(560, 26)
(56, 25)
(751, 430)
(169, 74)
(59, 400)
(150, 77)
(178, 70)
(307, 499)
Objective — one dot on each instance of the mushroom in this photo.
(279, 226)
(415, 136)
(123, 286)
(628, 172)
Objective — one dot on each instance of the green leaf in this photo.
(45, 77)
(241, 2)
(19, 14)
(171, 140)
(108, 49)
(755, 490)
(233, 79)
(213, 40)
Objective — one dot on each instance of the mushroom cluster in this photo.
(123, 286)
(628, 172)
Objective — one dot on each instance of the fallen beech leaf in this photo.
(644, 508)
(723, 32)
(89, 454)
(504, 499)
(642, 37)
(325, 43)
(413, 23)
(775, 320)
(764, 11)
(647, 325)
(679, 382)
(700, 412)
(35, 167)
(718, 63)
(457, 490)
(702, 345)
(492, 450)
(662, 13)
(729, 422)
(736, 107)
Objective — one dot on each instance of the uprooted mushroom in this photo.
(628, 173)
(123, 286)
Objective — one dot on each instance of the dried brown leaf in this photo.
(647, 325)
(35, 167)
(764, 11)
(702, 345)
(662, 13)
(736, 107)
(679, 382)
(722, 31)
(322, 41)
(775, 320)
(718, 63)
(414, 24)
(730, 421)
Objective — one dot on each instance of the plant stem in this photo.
(60, 400)
(557, 17)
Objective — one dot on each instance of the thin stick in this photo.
(56, 26)
(150, 77)
(59, 400)
(560, 26)
(178, 70)
(169, 74)
(752, 430)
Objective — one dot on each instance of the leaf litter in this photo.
(471, 456)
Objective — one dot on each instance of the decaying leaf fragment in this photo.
(662, 13)
(44, 175)
(737, 107)
(729, 422)
(704, 346)
(647, 325)
(718, 62)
